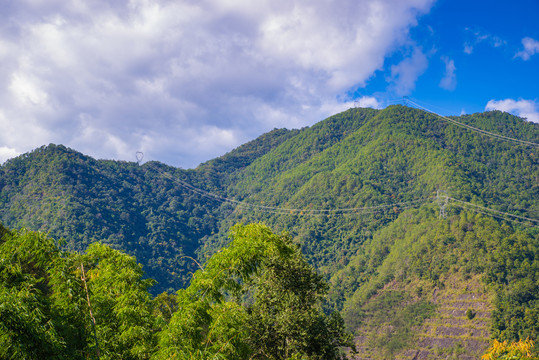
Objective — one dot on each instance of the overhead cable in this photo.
(481, 131)
(274, 209)
(481, 208)
(362, 210)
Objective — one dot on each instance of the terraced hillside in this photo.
(460, 327)
(457, 326)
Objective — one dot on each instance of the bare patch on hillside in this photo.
(457, 328)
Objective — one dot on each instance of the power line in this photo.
(442, 200)
(495, 216)
(274, 209)
(481, 131)
(441, 197)
(482, 209)
(362, 211)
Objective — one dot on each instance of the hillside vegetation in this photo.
(356, 192)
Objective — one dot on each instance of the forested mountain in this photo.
(130, 207)
(356, 192)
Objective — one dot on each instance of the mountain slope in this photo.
(397, 155)
(356, 159)
(356, 192)
(440, 268)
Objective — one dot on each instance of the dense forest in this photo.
(408, 219)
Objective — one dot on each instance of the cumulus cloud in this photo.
(7, 153)
(449, 81)
(368, 101)
(531, 47)
(334, 107)
(186, 81)
(528, 109)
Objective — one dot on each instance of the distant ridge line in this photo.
(376, 208)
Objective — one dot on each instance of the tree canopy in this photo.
(255, 299)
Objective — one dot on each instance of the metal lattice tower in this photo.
(443, 200)
(140, 156)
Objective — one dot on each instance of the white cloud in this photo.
(111, 78)
(405, 74)
(368, 101)
(333, 107)
(531, 47)
(7, 153)
(479, 36)
(449, 81)
(528, 109)
(27, 91)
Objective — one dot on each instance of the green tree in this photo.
(45, 305)
(285, 319)
(258, 284)
(28, 323)
(121, 303)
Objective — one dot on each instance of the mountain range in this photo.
(426, 227)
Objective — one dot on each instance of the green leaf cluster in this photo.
(45, 307)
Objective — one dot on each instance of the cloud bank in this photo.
(528, 109)
(186, 81)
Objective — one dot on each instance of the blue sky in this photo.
(186, 81)
(476, 47)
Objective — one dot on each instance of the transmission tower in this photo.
(443, 200)
(140, 156)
